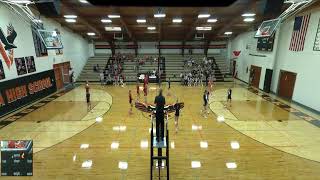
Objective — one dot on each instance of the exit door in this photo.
(286, 84)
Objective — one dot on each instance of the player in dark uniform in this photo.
(160, 101)
(229, 96)
(145, 91)
(88, 96)
(138, 90)
(130, 102)
(205, 103)
(176, 115)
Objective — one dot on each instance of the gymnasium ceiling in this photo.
(228, 19)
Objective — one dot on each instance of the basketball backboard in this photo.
(267, 28)
(50, 39)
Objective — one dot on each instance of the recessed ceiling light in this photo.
(248, 19)
(177, 20)
(84, 1)
(228, 33)
(71, 16)
(71, 20)
(248, 14)
(141, 21)
(204, 28)
(106, 20)
(212, 20)
(203, 15)
(151, 28)
(98, 119)
(113, 16)
(37, 21)
(21, 1)
(112, 28)
(159, 15)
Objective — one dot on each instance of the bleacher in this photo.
(222, 71)
(174, 66)
(87, 73)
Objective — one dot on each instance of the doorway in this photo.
(61, 72)
(254, 78)
(234, 69)
(286, 84)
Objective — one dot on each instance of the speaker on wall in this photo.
(49, 8)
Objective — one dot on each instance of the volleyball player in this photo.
(205, 103)
(88, 96)
(229, 96)
(130, 102)
(176, 115)
(145, 91)
(138, 90)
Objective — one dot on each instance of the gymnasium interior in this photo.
(81, 83)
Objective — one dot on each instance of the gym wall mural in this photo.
(18, 92)
(7, 44)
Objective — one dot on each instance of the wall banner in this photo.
(22, 91)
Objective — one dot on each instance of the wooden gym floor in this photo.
(259, 136)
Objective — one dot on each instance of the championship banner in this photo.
(22, 91)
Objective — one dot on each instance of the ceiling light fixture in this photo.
(228, 33)
(21, 1)
(113, 16)
(70, 16)
(84, 1)
(204, 28)
(159, 15)
(71, 20)
(177, 20)
(106, 20)
(112, 28)
(151, 28)
(203, 15)
(141, 21)
(212, 20)
(248, 19)
(248, 14)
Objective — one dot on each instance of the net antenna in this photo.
(21, 8)
(268, 28)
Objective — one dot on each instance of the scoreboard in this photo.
(17, 158)
(265, 43)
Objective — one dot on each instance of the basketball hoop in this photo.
(267, 28)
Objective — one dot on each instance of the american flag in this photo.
(298, 37)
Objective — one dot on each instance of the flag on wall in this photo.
(299, 32)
